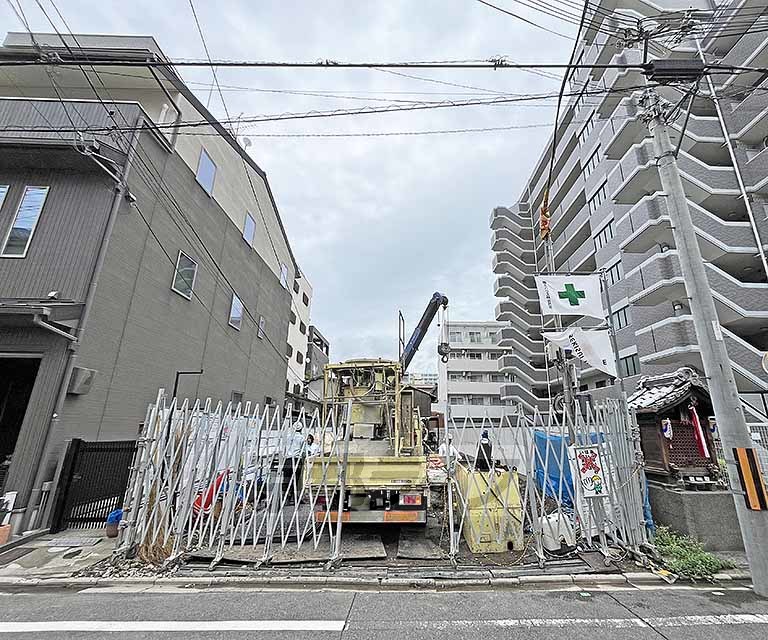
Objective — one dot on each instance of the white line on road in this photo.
(127, 626)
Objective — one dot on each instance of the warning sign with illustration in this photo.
(591, 473)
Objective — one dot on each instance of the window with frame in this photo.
(293, 318)
(475, 355)
(284, 275)
(453, 355)
(600, 384)
(454, 377)
(295, 286)
(497, 377)
(260, 333)
(236, 397)
(614, 274)
(491, 355)
(299, 357)
(236, 313)
(456, 400)
(474, 377)
(592, 163)
(455, 336)
(620, 318)
(302, 328)
(604, 236)
(206, 172)
(288, 350)
(305, 299)
(496, 401)
(597, 199)
(19, 236)
(185, 275)
(629, 366)
(476, 401)
(249, 229)
(475, 337)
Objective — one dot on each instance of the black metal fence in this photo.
(92, 482)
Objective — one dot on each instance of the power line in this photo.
(526, 20)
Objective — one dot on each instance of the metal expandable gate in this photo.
(229, 479)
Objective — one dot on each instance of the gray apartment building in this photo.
(608, 211)
(132, 247)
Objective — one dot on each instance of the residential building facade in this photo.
(469, 384)
(318, 355)
(301, 303)
(133, 248)
(609, 214)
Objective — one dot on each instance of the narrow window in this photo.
(206, 172)
(295, 286)
(297, 389)
(249, 229)
(305, 299)
(236, 313)
(23, 227)
(184, 278)
(289, 350)
(302, 327)
(3, 191)
(262, 322)
(293, 318)
(237, 397)
(284, 275)
(299, 357)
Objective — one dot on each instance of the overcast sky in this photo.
(376, 223)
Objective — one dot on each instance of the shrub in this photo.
(686, 556)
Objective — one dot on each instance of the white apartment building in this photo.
(469, 384)
(298, 328)
(422, 378)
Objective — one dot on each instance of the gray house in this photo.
(133, 244)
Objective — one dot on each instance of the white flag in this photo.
(593, 347)
(570, 295)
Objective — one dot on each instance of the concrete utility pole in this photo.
(717, 368)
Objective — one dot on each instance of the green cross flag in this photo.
(571, 294)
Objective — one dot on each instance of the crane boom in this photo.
(438, 300)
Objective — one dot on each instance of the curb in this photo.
(362, 584)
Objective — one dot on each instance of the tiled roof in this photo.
(658, 392)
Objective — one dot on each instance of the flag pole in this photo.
(614, 341)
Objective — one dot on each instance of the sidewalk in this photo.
(60, 560)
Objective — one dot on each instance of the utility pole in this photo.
(717, 367)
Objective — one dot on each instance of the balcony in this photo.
(476, 413)
(465, 387)
(516, 364)
(652, 226)
(507, 218)
(508, 264)
(714, 188)
(509, 287)
(518, 393)
(521, 342)
(741, 306)
(748, 119)
(573, 236)
(672, 343)
(513, 312)
(513, 242)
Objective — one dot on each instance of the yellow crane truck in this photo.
(386, 467)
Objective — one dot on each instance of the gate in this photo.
(92, 483)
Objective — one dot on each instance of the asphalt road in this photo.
(671, 614)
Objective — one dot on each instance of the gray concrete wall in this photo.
(708, 516)
(141, 332)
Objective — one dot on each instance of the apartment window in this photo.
(293, 318)
(604, 236)
(237, 397)
(284, 275)
(497, 377)
(305, 299)
(600, 384)
(596, 200)
(249, 229)
(475, 337)
(299, 357)
(3, 192)
(288, 350)
(297, 389)
(454, 377)
(474, 377)
(620, 318)
(260, 332)
(496, 401)
(592, 163)
(236, 313)
(477, 401)
(629, 366)
(491, 355)
(475, 355)
(302, 327)
(586, 129)
(23, 226)
(457, 400)
(184, 278)
(583, 387)
(295, 286)
(455, 336)
(453, 355)
(268, 401)
(614, 273)
(206, 172)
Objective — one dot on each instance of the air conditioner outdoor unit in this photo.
(81, 381)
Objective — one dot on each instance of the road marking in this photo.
(128, 626)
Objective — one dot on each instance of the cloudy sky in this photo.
(376, 223)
